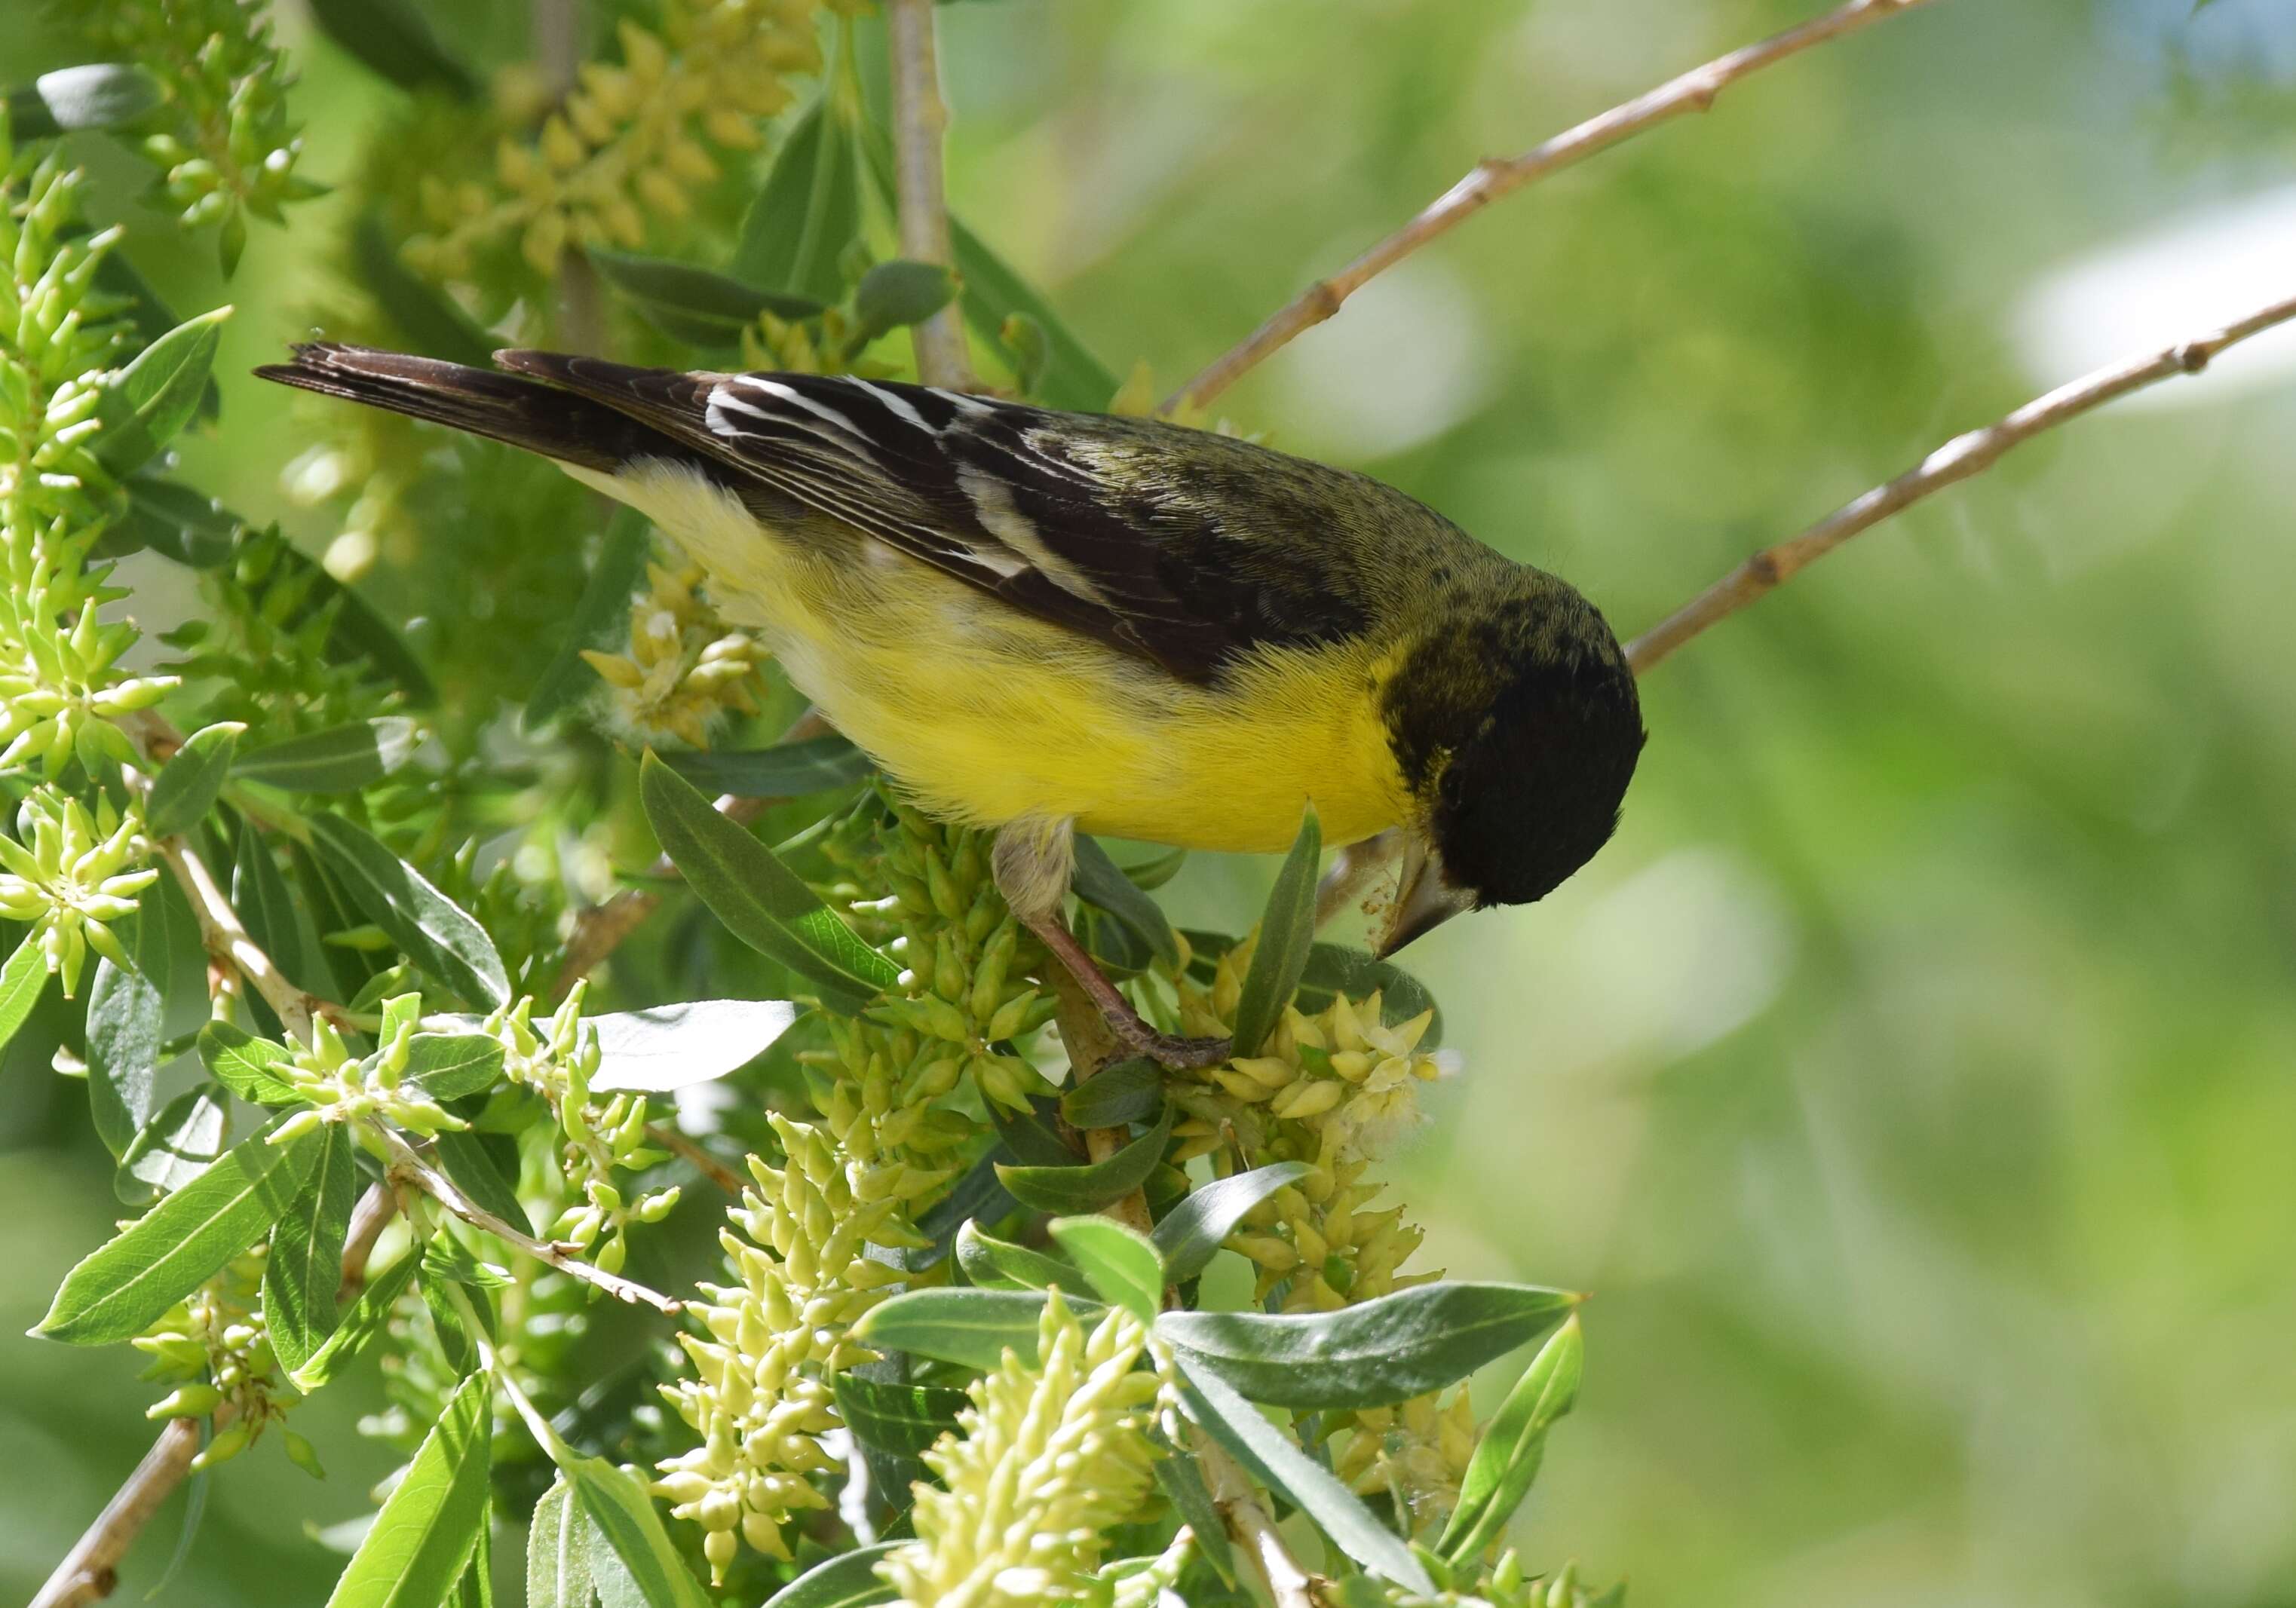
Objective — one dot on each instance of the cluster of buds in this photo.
(556, 1058)
(212, 1348)
(683, 668)
(234, 148)
(1046, 1460)
(1342, 1076)
(56, 337)
(339, 1086)
(966, 997)
(627, 142)
(760, 1395)
(60, 681)
(1416, 1453)
(69, 875)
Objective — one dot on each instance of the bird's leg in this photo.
(1032, 863)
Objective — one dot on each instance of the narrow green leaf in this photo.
(973, 1328)
(171, 1250)
(1100, 884)
(435, 932)
(672, 1046)
(1118, 1094)
(1032, 1138)
(558, 1552)
(617, 1504)
(1371, 1354)
(1183, 1486)
(603, 610)
(280, 924)
(1194, 1231)
(474, 1587)
(762, 901)
(976, 1194)
(173, 521)
(847, 1580)
(475, 1172)
(456, 1344)
(132, 1011)
(806, 218)
(429, 1523)
(787, 770)
(450, 1065)
(246, 1065)
(157, 393)
(1276, 1462)
(172, 1149)
(1507, 1456)
(392, 39)
(369, 1317)
(100, 95)
(342, 759)
(893, 295)
(691, 304)
(1123, 1269)
(1334, 969)
(307, 1253)
(1287, 927)
(903, 1420)
(186, 786)
(995, 1264)
(1095, 1184)
(22, 981)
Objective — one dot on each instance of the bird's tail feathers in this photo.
(540, 418)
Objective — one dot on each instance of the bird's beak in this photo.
(1423, 899)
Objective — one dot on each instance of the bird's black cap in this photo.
(1517, 728)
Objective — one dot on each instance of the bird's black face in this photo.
(1518, 730)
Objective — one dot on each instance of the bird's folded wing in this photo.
(1091, 523)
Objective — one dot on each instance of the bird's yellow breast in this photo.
(987, 715)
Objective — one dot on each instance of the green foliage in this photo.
(372, 900)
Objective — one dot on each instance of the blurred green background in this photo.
(1913, 1081)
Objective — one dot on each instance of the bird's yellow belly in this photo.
(986, 715)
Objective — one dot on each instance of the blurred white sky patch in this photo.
(2184, 279)
(1402, 363)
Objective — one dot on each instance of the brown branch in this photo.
(90, 1570)
(709, 1166)
(372, 1215)
(227, 941)
(599, 929)
(1494, 176)
(1957, 460)
(919, 120)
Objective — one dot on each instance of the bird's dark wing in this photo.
(1150, 538)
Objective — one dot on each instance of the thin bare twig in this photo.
(226, 939)
(90, 1570)
(709, 1166)
(372, 1216)
(919, 120)
(1496, 176)
(1957, 460)
(411, 1169)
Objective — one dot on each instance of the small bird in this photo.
(1046, 623)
